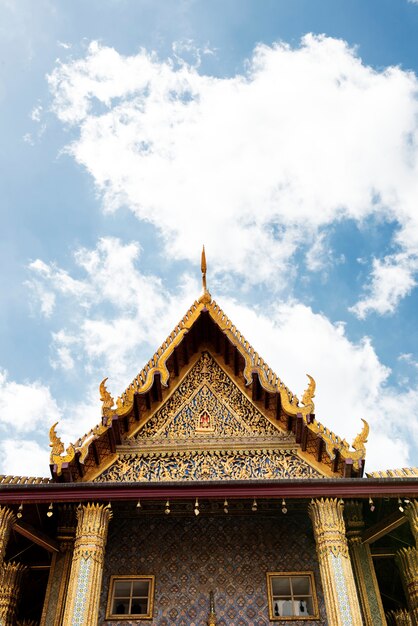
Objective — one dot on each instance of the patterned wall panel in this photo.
(192, 556)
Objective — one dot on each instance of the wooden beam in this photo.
(266, 399)
(137, 412)
(38, 537)
(185, 349)
(304, 438)
(95, 451)
(348, 468)
(382, 553)
(385, 526)
(255, 388)
(279, 407)
(336, 461)
(217, 340)
(126, 423)
(116, 429)
(194, 336)
(80, 467)
(319, 449)
(112, 442)
(299, 422)
(226, 352)
(157, 389)
(147, 400)
(236, 361)
(67, 476)
(175, 362)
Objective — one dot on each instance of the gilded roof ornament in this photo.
(205, 298)
(57, 458)
(309, 394)
(361, 439)
(107, 400)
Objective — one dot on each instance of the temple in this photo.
(209, 493)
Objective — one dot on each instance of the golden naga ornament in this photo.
(309, 393)
(57, 458)
(107, 401)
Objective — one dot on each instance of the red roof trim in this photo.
(326, 488)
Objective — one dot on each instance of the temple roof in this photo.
(206, 326)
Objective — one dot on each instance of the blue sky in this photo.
(281, 134)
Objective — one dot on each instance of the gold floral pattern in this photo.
(208, 389)
(208, 465)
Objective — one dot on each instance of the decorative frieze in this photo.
(208, 465)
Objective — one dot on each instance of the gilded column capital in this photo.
(411, 512)
(399, 618)
(407, 559)
(91, 534)
(7, 519)
(328, 525)
(11, 577)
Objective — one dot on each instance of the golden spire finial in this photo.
(205, 297)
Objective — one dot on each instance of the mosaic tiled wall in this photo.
(192, 556)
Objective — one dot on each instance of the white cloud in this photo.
(23, 457)
(25, 406)
(305, 138)
(110, 314)
(391, 279)
(351, 381)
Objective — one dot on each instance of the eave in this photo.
(305, 488)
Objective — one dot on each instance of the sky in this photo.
(282, 134)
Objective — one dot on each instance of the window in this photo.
(131, 597)
(292, 595)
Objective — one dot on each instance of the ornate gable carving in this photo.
(208, 404)
(208, 430)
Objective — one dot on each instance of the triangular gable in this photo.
(208, 405)
(206, 326)
(208, 430)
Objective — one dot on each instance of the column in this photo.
(7, 519)
(341, 601)
(407, 559)
(362, 563)
(399, 618)
(82, 604)
(9, 592)
(59, 574)
(411, 513)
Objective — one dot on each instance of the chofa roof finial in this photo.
(205, 297)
